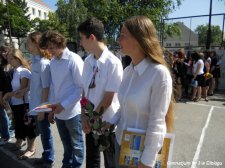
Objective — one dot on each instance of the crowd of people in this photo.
(138, 95)
(195, 74)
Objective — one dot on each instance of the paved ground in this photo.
(199, 141)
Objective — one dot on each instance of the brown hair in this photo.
(17, 54)
(6, 49)
(54, 37)
(143, 30)
(35, 38)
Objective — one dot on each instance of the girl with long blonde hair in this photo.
(145, 93)
(39, 94)
(20, 102)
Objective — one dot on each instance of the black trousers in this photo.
(93, 159)
(21, 130)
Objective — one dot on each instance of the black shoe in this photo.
(48, 165)
(38, 161)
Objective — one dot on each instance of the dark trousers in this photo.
(93, 159)
(21, 130)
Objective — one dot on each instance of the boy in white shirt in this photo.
(66, 69)
(102, 75)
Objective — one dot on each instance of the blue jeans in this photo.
(44, 129)
(70, 132)
(5, 125)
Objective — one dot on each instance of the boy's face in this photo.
(54, 50)
(85, 42)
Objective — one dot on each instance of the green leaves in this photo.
(215, 34)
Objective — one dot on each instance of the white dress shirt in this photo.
(18, 74)
(195, 66)
(144, 97)
(67, 83)
(40, 79)
(108, 72)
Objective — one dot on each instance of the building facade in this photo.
(37, 9)
(187, 39)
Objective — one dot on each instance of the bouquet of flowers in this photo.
(101, 132)
(208, 75)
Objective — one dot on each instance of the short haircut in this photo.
(53, 37)
(92, 26)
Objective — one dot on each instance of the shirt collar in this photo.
(65, 54)
(103, 56)
(142, 66)
(101, 59)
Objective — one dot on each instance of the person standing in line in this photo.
(66, 75)
(198, 75)
(20, 102)
(145, 94)
(39, 94)
(6, 73)
(102, 75)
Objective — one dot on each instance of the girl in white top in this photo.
(146, 89)
(198, 75)
(19, 101)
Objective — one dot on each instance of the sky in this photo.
(189, 8)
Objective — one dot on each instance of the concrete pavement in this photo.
(199, 141)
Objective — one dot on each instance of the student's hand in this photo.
(107, 126)
(141, 165)
(51, 117)
(85, 124)
(7, 96)
(58, 108)
(41, 116)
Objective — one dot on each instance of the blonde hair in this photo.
(17, 54)
(35, 38)
(143, 30)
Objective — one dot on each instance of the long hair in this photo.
(35, 38)
(143, 30)
(6, 49)
(17, 54)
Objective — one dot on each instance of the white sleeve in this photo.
(156, 130)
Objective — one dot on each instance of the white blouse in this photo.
(195, 66)
(18, 74)
(144, 97)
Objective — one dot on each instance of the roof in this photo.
(186, 34)
(41, 3)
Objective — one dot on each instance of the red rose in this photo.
(83, 102)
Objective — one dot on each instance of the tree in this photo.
(112, 13)
(16, 21)
(215, 34)
(71, 13)
(51, 24)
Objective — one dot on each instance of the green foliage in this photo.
(112, 13)
(51, 24)
(215, 34)
(71, 13)
(18, 20)
(14, 18)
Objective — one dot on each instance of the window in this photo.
(177, 44)
(39, 13)
(168, 44)
(33, 11)
(45, 15)
(186, 44)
